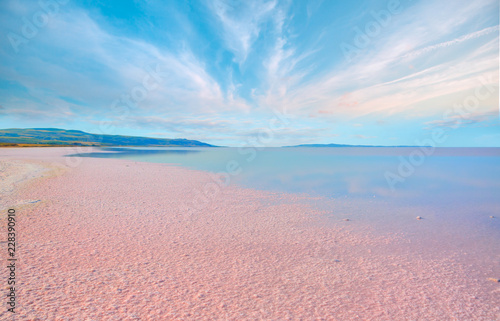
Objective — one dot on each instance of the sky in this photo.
(262, 73)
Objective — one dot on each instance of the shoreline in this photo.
(112, 240)
(18, 174)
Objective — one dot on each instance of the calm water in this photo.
(468, 176)
(455, 190)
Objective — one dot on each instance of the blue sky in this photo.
(255, 72)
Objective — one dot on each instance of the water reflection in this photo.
(468, 176)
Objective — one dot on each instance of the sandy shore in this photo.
(109, 239)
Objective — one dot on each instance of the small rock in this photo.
(346, 219)
(493, 279)
(492, 216)
(419, 217)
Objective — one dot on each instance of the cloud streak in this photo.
(223, 68)
(471, 119)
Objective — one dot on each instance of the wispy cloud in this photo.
(223, 68)
(458, 40)
(241, 23)
(471, 119)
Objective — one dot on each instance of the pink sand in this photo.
(115, 240)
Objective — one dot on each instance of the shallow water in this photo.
(454, 190)
(381, 259)
(243, 252)
(449, 176)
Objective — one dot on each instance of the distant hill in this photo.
(62, 137)
(342, 145)
(323, 145)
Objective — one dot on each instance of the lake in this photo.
(456, 191)
(402, 175)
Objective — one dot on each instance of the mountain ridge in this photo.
(72, 137)
(346, 145)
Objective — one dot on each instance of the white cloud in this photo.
(381, 80)
(425, 61)
(241, 22)
(97, 67)
(445, 44)
(469, 119)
